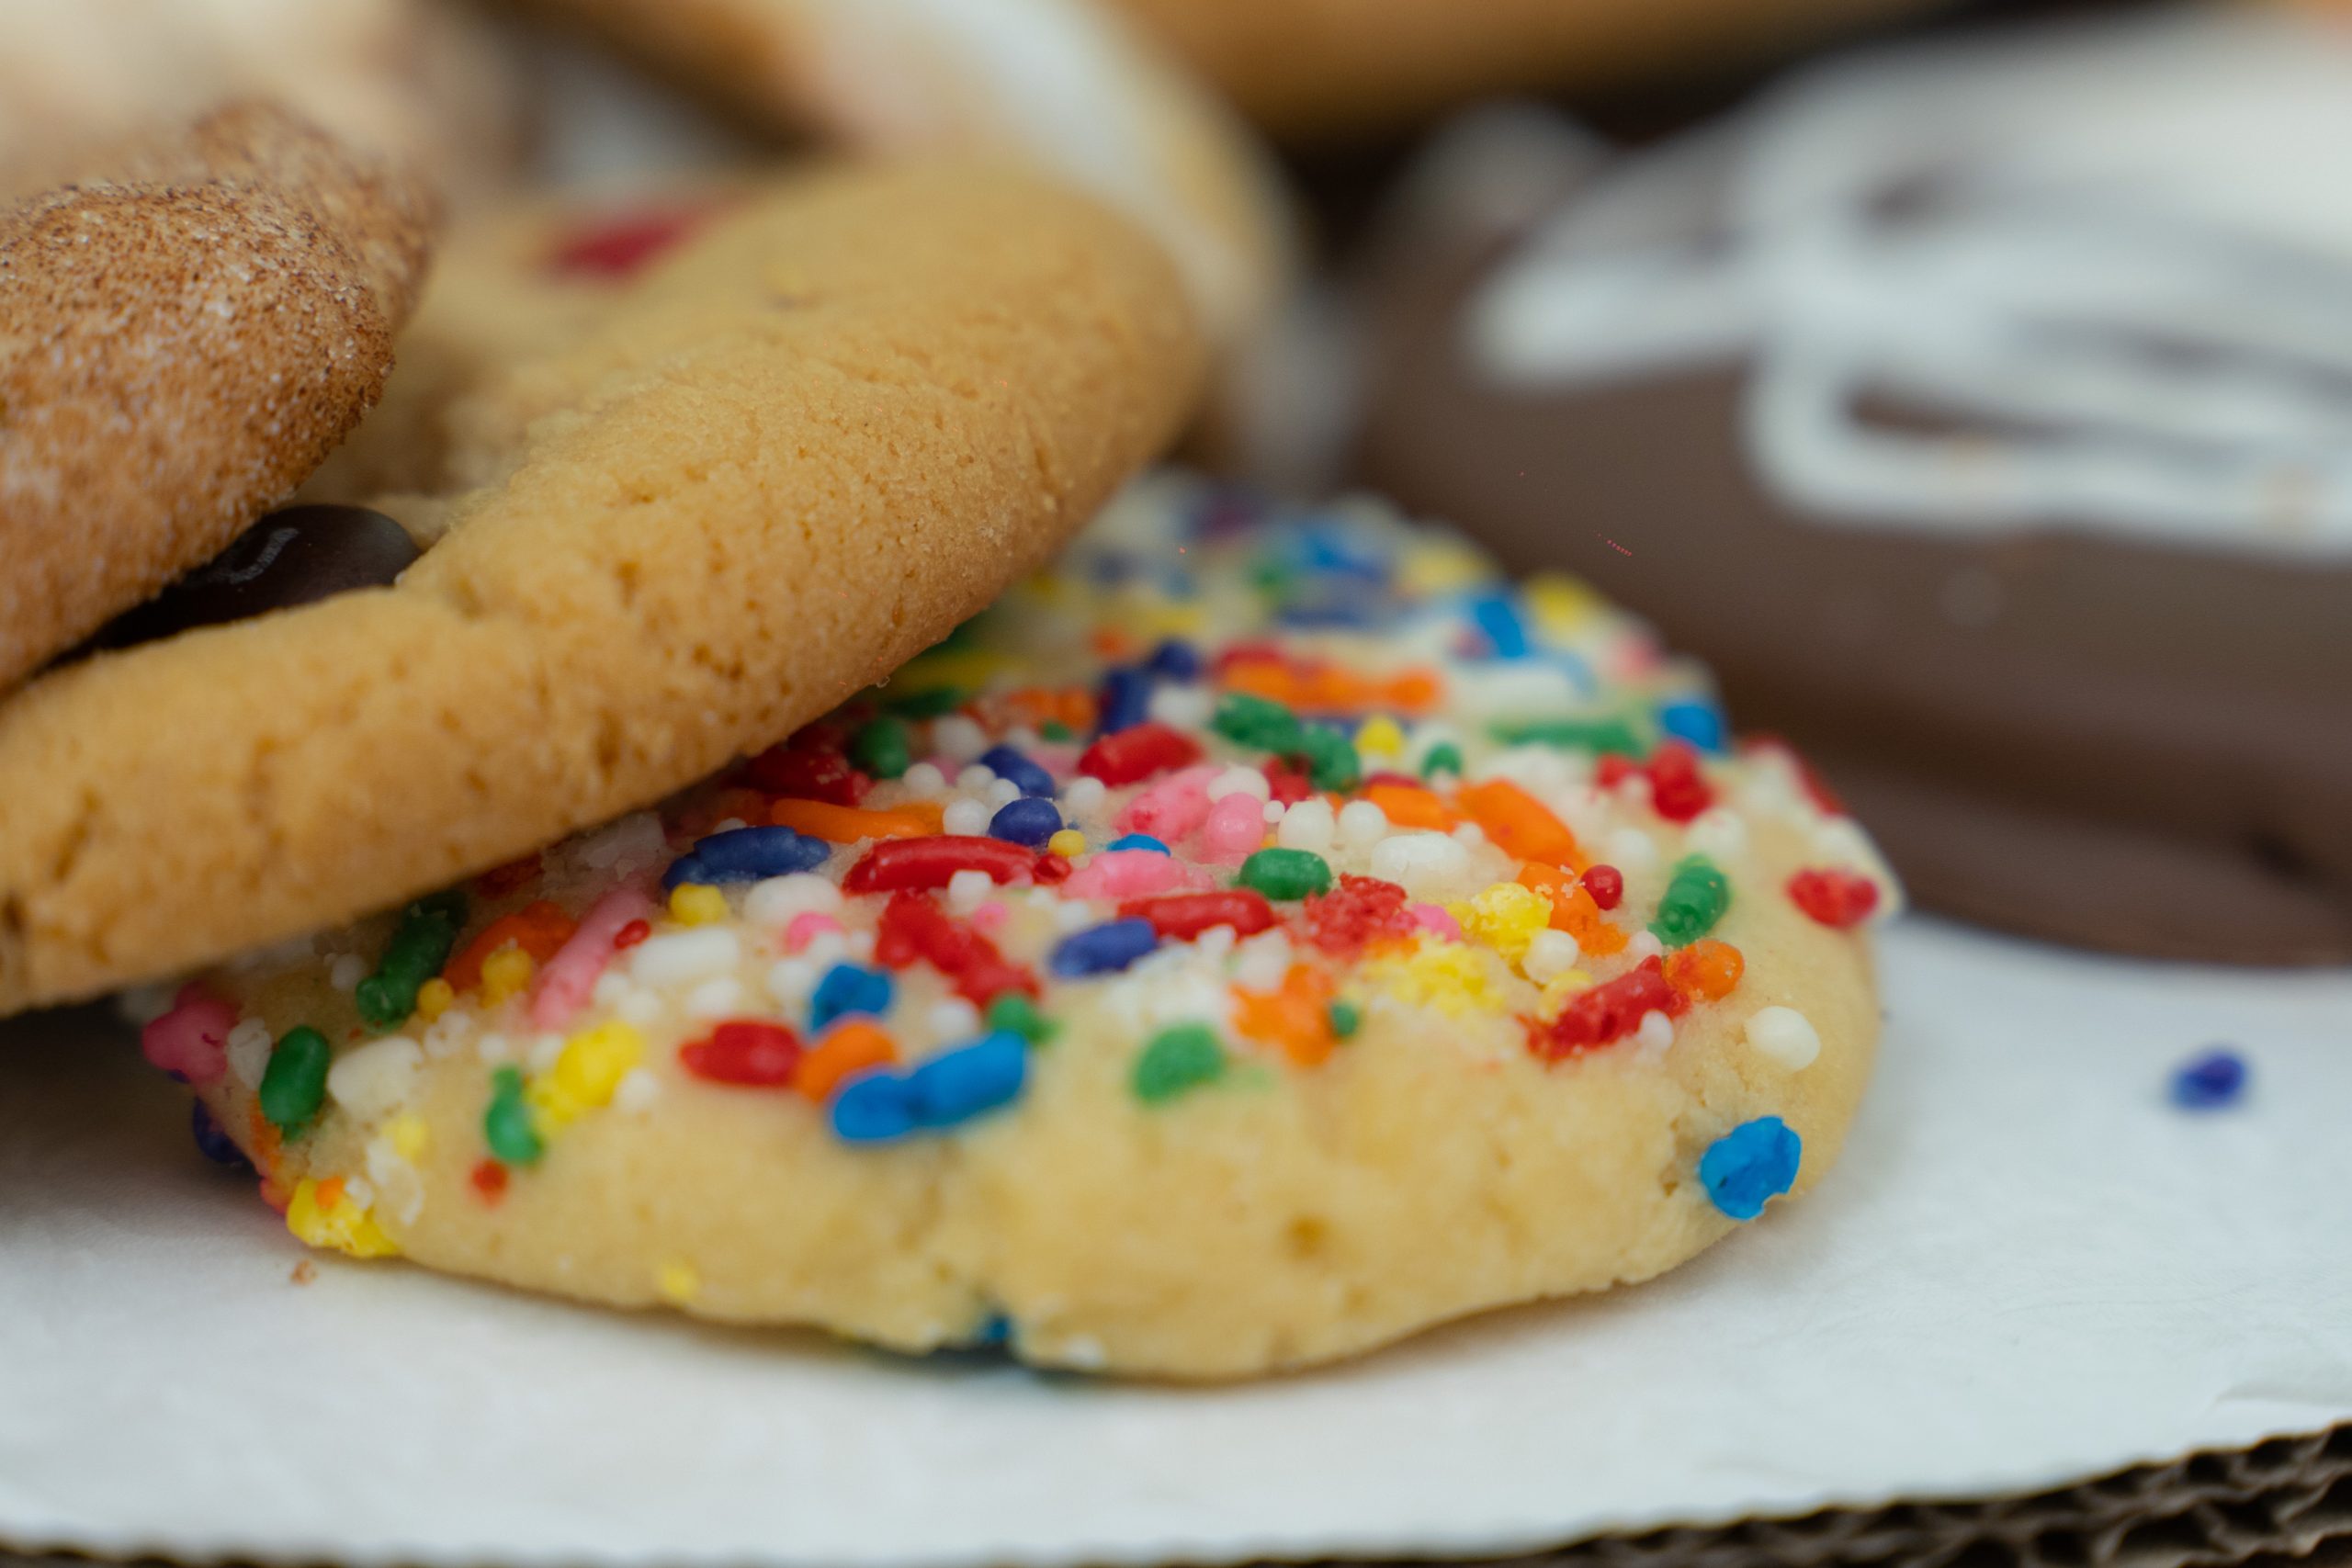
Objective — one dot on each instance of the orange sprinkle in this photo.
(489, 1178)
(1518, 824)
(1409, 807)
(1314, 687)
(1706, 970)
(848, 824)
(1572, 910)
(1113, 642)
(850, 1047)
(330, 1192)
(540, 930)
(1297, 1018)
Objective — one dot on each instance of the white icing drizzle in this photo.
(2115, 260)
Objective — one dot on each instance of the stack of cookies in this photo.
(717, 785)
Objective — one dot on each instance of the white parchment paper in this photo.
(2030, 1268)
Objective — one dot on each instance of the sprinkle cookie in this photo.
(799, 450)
(1257, 939)
(180, 343)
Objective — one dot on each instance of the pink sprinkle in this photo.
(566, 980)
(1170, 808)
(192, 1039)
(807, 927)
(1056, 758)
(1430, 918)
(1237, 825)
(991, 915)
(1131, 874)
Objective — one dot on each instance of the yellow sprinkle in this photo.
(1451, 977)
(1443, 565)
(432, 999)
(694, 904)
(966, 668)
(1379, 737)
(507, 972)
(1505, 917)
(585, 1075)
(408, 1135)
(1561, 603)
(324, 1216)
(1559, 988)
(1067, 842)
(678, 1282)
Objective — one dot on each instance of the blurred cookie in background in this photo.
(420, 80)
(1980, 410)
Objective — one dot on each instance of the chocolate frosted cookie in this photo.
(1981, 413)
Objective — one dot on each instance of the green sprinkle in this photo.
(1346, 1018)
(1177, 1059)
(1444, 757)
(294, 1085)
(882, 748)
(1284, 875)
(1600, 736)
(1330, 759)
(507, 1123)
(1695, 899)
(1055, 729)
(1013, 1011)
(933, 703)
(428, 929)
(1254, 721)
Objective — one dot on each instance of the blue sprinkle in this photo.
(1103, 949)
(1126, 698)
(747, 854)
(1753, 1163)
(1029, 776)
(1175, 660)
(1693, 720)
(873, 1107)
(956, 1086)
(212, 1142)
(1497, 619)
(994, 1330)
(1137, 841)
(1027, 821)
(2211, 1080)
(847, 988)
(946, 1091)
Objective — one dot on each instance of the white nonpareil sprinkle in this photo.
(957, 738)
(772, 902)
(637, 1091)
(1470, 836)
(1550, 952)
(609, 989)
(360, 1191)
(790, 980)
(1656, 1034)
(715, 998)
(679, 958)
(249, 1046)
(1074, 914)
(1630, 849)
(1185, 707)
(1001, 794)
(922, 781)
(1260, 963)
(1239, 780)
(953, 1018)
(975, 778)
(1274, 812)
(346, 973)
(640, 1007)
(448, 1035)
(1306, 826)
(1429, 867)
(373, 1080)
(1719, 832)
(966, 816)
(1361, 825)
(825, 949)
(1644, 944)
(1082, 796)
(1784, 1035)
(968, 890)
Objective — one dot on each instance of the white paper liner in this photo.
(2030, 1269)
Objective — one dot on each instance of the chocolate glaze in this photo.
(294, 557)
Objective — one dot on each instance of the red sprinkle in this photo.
(1288, 784)
(489, 1177)
(1607, 1012)
(1677, 788)
(1613, 769)
(914, 928)
(1839, 900)
(620, 246)
(918, 864)
(748, 1052)
(1606, 884)
(1816, 786)
(806, 774)
(1362, 909)
(1181, 917)
(630, 935)
(1137, 752)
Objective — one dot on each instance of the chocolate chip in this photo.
(295, 556)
